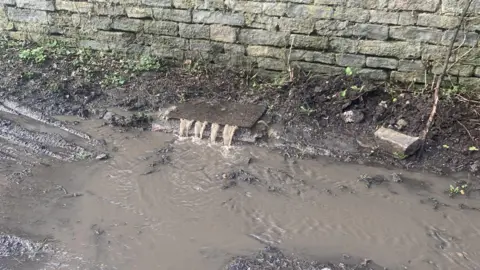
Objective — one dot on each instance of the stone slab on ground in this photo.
(223, 113)
(397, 143)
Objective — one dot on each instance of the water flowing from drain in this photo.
(202, 129)
(228, 132)
(214, 131)
(198, 127)
(185, 126)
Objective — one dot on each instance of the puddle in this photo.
(160, 202)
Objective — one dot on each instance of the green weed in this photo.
(455, 190)
(147, 63)
(36, 55)
(113, 79)
(349, 71)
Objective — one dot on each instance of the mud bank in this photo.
(306, 115)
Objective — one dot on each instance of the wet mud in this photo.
(86, 184)
(159, 200)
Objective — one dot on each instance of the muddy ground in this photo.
(63, 81)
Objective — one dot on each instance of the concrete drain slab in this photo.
(223, 113)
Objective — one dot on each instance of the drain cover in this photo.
(223, 113)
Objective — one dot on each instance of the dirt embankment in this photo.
(310, 110)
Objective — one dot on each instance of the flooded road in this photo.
(163, 202)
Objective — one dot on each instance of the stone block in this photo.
(370, 31)
(167, 52)
(247, 7)
(312, 56)
(308, 11)
(189, 4)
(48, 5)
(365, 4)
(87, 23)
(438, 21)
(205, 46)
(402, 50)
(469, 39)
(384, 17)
(262, 37)
(477, 72)
(108, 10)
(72, 6)
(344, 45)
(234, 49)
(419, 34)
(7, 2)
(396, 143)
(265, 51)
(139, 12)
(414, 5)
(468, 56)
(27, 15)
(380, 62)
(333, 28)
(165, 41)
(197, 31)
(261, 22)
(456, 6)
(411, 65)
(435, 53)
(223, 33)
(351, 14)
(157, 3)
(407, 18)
(309, 42)
(471, 83)
(318, 68)
(408, 77)
(296, 25)
(350, 60)
(161, 28)
(372, 74)
(330, 2)
(275, 9)
(127, 24)
(456, 70)
(176, 15)
(271, 64)
(217, 17)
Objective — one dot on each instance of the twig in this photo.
(424, 134)
(467, 100)
(469, 134)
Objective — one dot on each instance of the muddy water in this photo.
(162, 202)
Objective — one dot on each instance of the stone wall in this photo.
(381, 39)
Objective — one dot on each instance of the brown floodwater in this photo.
(163, 202)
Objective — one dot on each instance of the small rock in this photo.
(352, 116)
(475, 167)
(108, 116)
(396, 178)
(401, 124)
(397, 143)
(102, 157)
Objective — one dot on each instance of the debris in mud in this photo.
(272, 258)
(396, 178)
(13, 246)
(371, 180)
(136, 120)
(102, 156)
(353, 116)
(232, 178)
(396, 143)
